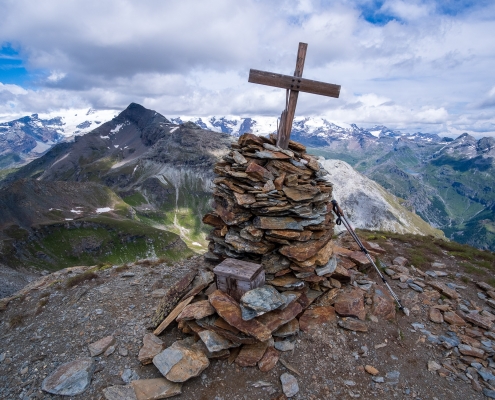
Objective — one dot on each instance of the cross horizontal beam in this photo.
(293, 83)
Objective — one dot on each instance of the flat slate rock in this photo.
(178, 363)
(197, 310)
(119, 392)
(313, 318)
(289, 329)
(152, 345)
(155, 389)
(478, 320)
(275, 319)
(250, 354)
(99, 347)
(214, 342)
(230, 311)
(269, 359)
(352, 324)
(259, 301)
(70, 379)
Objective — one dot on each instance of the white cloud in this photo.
(428, 70)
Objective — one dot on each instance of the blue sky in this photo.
(410, 65)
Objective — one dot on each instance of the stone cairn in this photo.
(272, 206)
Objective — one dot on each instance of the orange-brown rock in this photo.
(383, 304)
(269, 359)
(351, 304)
(213, 220)
(301, 192)
(284, 234)
(303, 251)
(230, 311)
(258, 172)
(360, 259)
(250, 139)
(197, 310)
(244, 199)
(315, 317)
(250, 354)
(275, 319)
(453, 319)
(229, 212)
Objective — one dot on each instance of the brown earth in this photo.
(51, 322)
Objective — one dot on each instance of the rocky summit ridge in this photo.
(91, 323)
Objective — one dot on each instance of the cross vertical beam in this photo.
(283, 135)
(293, 85)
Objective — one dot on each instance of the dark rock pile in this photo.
(272, 206)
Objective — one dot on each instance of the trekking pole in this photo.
(341, 218)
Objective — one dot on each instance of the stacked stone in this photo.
(272, 206)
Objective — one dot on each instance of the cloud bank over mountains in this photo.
(413, 65)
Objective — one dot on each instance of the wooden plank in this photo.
(294, 83)
(172, 316)
(284, 135)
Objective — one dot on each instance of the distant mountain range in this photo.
(98, 193)
(448, 182)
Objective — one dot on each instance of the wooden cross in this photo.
(294, 85)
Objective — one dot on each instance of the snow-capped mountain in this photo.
(31, 136)
(312, 131)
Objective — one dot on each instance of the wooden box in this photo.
(236, 277)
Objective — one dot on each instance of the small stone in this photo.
(415, 287)
(214, 342)
(435, 315)
(70, 379)
(400, 261)
(158, 388)
(470, 351)
(129, 375)
(437, 265)
(478, 320)
(97, 348)
(392, 377)
(123, 351)
(289, 329)
(127, 275)
(158, 293)
(109, 351)
(453, 319)
(284, 345)
(490, 393)
(289, 384)
(353, 325)
(433, 366)
(152, 345)
(119, 392)
(371, 370)
(378, 379)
